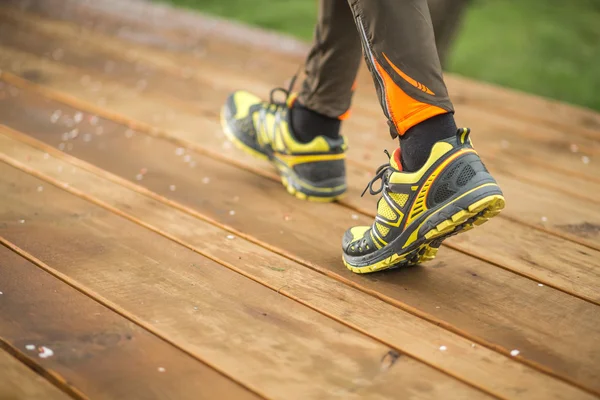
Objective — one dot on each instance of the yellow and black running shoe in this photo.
(451, 193)
(312, 171)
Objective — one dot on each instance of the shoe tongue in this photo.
(395, 160)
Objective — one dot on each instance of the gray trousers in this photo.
(397, 41)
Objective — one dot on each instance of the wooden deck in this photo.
(145, 258)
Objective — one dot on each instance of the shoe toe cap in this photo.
(356, 241)
(239, 102)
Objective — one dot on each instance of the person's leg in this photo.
(301, 138)
(400, 51)
(331, 67)
(435, 184)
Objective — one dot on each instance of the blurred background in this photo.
(546, 47)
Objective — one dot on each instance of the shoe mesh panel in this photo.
(452, 171)
(383, 230)
(385, 211)
(465, 175)
(399, 198)
(443, 193)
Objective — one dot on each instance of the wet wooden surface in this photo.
(127, 215)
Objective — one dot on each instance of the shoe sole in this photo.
(291, 184)
(475, 214)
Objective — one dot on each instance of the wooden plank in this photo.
(97, 353)
(18, 382)
(177, 31)
(186, 127)
(405, 332)
(463, 294)
(262, 339)
(547, 259)
(517, 138)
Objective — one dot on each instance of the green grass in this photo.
(547, 47)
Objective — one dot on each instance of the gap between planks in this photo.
(54, 379)
(129, 185)
(95, 296)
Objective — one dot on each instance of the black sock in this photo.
(308, 124)
(417, 142)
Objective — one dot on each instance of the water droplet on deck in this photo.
(230, 237)
(129, 133)
(514, 353)
(45, 352)
(161, 369)
(99, 130)
(139, 177)
(143, 171)
(544, 219)
(61, 146)
(30, 347)
(40, 188)
(473, 345)
(540, 284)
(74, 133)
(505, 144)
(354, 217)
(172, 188)
(585, 160)
(187, 158)
(574, 148)
(87, 137)
(46, 156)
(192, 164)
(94, 120)
(60, 168)
(231, 212)
(443, 348)
(55, 116)
(78, 117)
(205, 180)
(179, 151)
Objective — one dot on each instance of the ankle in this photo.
(417, 142)
(308, 124)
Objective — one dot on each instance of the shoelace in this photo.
(383, 173)
(276, 106)
(287, 92)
